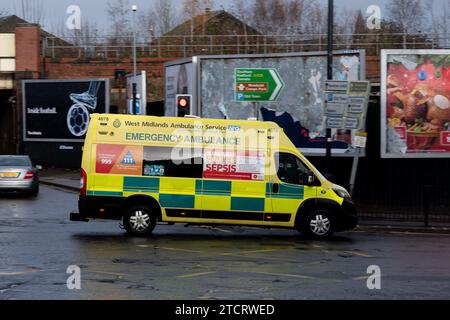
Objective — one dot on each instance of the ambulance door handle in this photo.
(275, 188)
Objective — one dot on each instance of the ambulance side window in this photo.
(167, 162)
(290, 168)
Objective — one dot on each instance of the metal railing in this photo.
(185, 46)
(422, 204)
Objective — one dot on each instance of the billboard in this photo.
(179, 79)
(298, 83)
(59, 110)
(415, 104)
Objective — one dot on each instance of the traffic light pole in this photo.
(330, 77)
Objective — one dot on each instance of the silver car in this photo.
(17, 174)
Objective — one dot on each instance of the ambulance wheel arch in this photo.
(312, 208)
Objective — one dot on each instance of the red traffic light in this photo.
(184, 106)
(182, 103)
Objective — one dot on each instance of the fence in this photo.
(425, 204)
(186, 46)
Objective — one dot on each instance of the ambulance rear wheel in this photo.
(139, 221)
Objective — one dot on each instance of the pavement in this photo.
(64, 178)
(69, 179)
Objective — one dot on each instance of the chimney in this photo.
(28, 45)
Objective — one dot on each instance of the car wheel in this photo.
(35, 192)
(139, 221)
(319, 225)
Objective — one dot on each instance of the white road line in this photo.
(193, 275)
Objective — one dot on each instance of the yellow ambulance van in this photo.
(150, 170)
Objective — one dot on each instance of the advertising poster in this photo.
(179, 79)
(58, 110)
(287, 90)
(234, 165)
(415, 103)
(119, 159)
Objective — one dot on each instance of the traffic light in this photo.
(184, 105)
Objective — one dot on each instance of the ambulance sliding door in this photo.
(234, 185)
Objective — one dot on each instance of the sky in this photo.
(55, 10)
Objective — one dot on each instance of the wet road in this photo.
(38, 243)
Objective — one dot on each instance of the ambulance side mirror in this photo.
(308, 179)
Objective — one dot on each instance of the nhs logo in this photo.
(234, 128)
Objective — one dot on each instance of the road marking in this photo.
(104, 272)
(215, 229)
(361, 278)
(176, 249)
(18, 273)
(286, 275)
(193, 275)
(247, 252)
(360, 254)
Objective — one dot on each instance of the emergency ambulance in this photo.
(149, 170)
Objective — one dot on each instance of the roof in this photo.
(8, 23)
(202, 20)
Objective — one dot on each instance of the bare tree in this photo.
(274, 16)
(408, 15)
(439, 24)
(193, 8)
(165, 16)
(120, 31)
(30, 10)
(316, 23)
(241, 10)
(3, 12)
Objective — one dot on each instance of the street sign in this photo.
(346, 104)
(257, 85)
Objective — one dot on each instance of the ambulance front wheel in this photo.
(139, 221)
(319, 224)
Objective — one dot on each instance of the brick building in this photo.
(19, 59)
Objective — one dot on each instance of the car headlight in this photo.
(342, 193)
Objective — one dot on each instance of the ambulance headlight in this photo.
(342, 193)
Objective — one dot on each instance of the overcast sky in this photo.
(55, 10)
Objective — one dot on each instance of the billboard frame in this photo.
(196, 70)
(24, 123)
(383, 104)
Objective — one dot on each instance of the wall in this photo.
(69, 68)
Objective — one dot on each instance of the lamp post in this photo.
(329, 77)
(133, 111)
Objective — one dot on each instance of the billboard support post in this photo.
(354, 171)
(134, 97)
(329, 77)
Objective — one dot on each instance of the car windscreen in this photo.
(14, 162)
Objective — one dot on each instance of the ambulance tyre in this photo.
(318, 225)
(139, 221)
